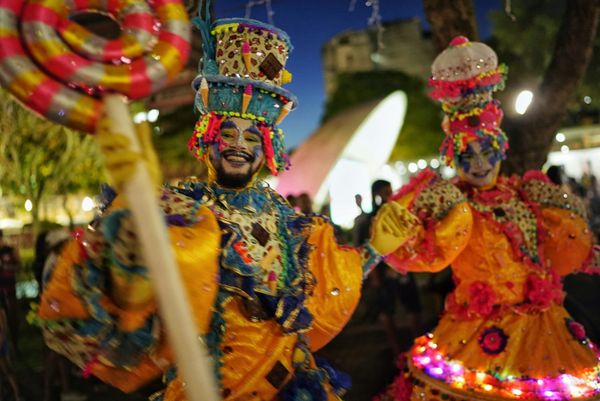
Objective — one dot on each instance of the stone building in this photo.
(406, 48)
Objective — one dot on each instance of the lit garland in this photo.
(426, 357)
(374, 20)
(267, 4)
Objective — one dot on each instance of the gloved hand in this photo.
(121, 160)
(392, 226)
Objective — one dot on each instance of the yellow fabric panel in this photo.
(568, 240)
(250, 350)
(58, 299)
(539, 345)
(450, 236)
(197, 251)
(338, 274)
(487, 250)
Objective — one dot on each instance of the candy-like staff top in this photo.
(60, 69)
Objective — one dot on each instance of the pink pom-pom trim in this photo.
(459, 40)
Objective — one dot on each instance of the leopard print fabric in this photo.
(437, 200)
(264, 45)
(549, 195)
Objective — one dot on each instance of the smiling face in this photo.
(479, 164)
(241, 155)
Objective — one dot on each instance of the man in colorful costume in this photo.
(267, 286)
(504, 333)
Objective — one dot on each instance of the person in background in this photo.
(304, 203)
(5, 365)
(9, 265)
(390, 286)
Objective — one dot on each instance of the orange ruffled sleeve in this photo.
(338, 273)
(71, 318)
(567, 240)
(446, 224)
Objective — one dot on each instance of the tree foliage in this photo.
(531, 135)
(420, 135)
(40, 159)
(526, 44)
(176, 129)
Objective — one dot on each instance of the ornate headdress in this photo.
(242, 68)
(463, 78)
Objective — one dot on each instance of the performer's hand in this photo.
(392, 226)
(121, 160)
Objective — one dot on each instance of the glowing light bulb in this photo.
(87, 204)
(523, 101)
(437, 371)
(455, 367)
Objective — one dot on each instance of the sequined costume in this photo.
(267, 286)
(504, 333)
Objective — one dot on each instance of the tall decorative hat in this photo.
(241, 73)
(464, 76)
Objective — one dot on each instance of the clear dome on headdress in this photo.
(463, 59)
(465, 68)
(463, 78)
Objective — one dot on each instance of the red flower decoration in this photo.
(576, 329)
(542, 292)
(481, 298)
(493, 340)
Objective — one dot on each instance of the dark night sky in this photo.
(311, 23)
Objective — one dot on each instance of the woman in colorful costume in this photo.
(267, 286)
(504, 333)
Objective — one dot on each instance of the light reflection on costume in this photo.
(504, 333)
(267, 286)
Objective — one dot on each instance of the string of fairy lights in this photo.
(266, 3)
(374, 21)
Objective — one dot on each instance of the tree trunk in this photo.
(449, 19)
(65, 206)
(532, 134)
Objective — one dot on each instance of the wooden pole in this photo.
(194, 364)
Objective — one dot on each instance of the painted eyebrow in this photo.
(252, 129)
(228, 124)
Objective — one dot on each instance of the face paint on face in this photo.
(239, 156)
(479, 164)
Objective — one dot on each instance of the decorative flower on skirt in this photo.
(481, 298)
(541, 292)
(576, 329)
(493, 340)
